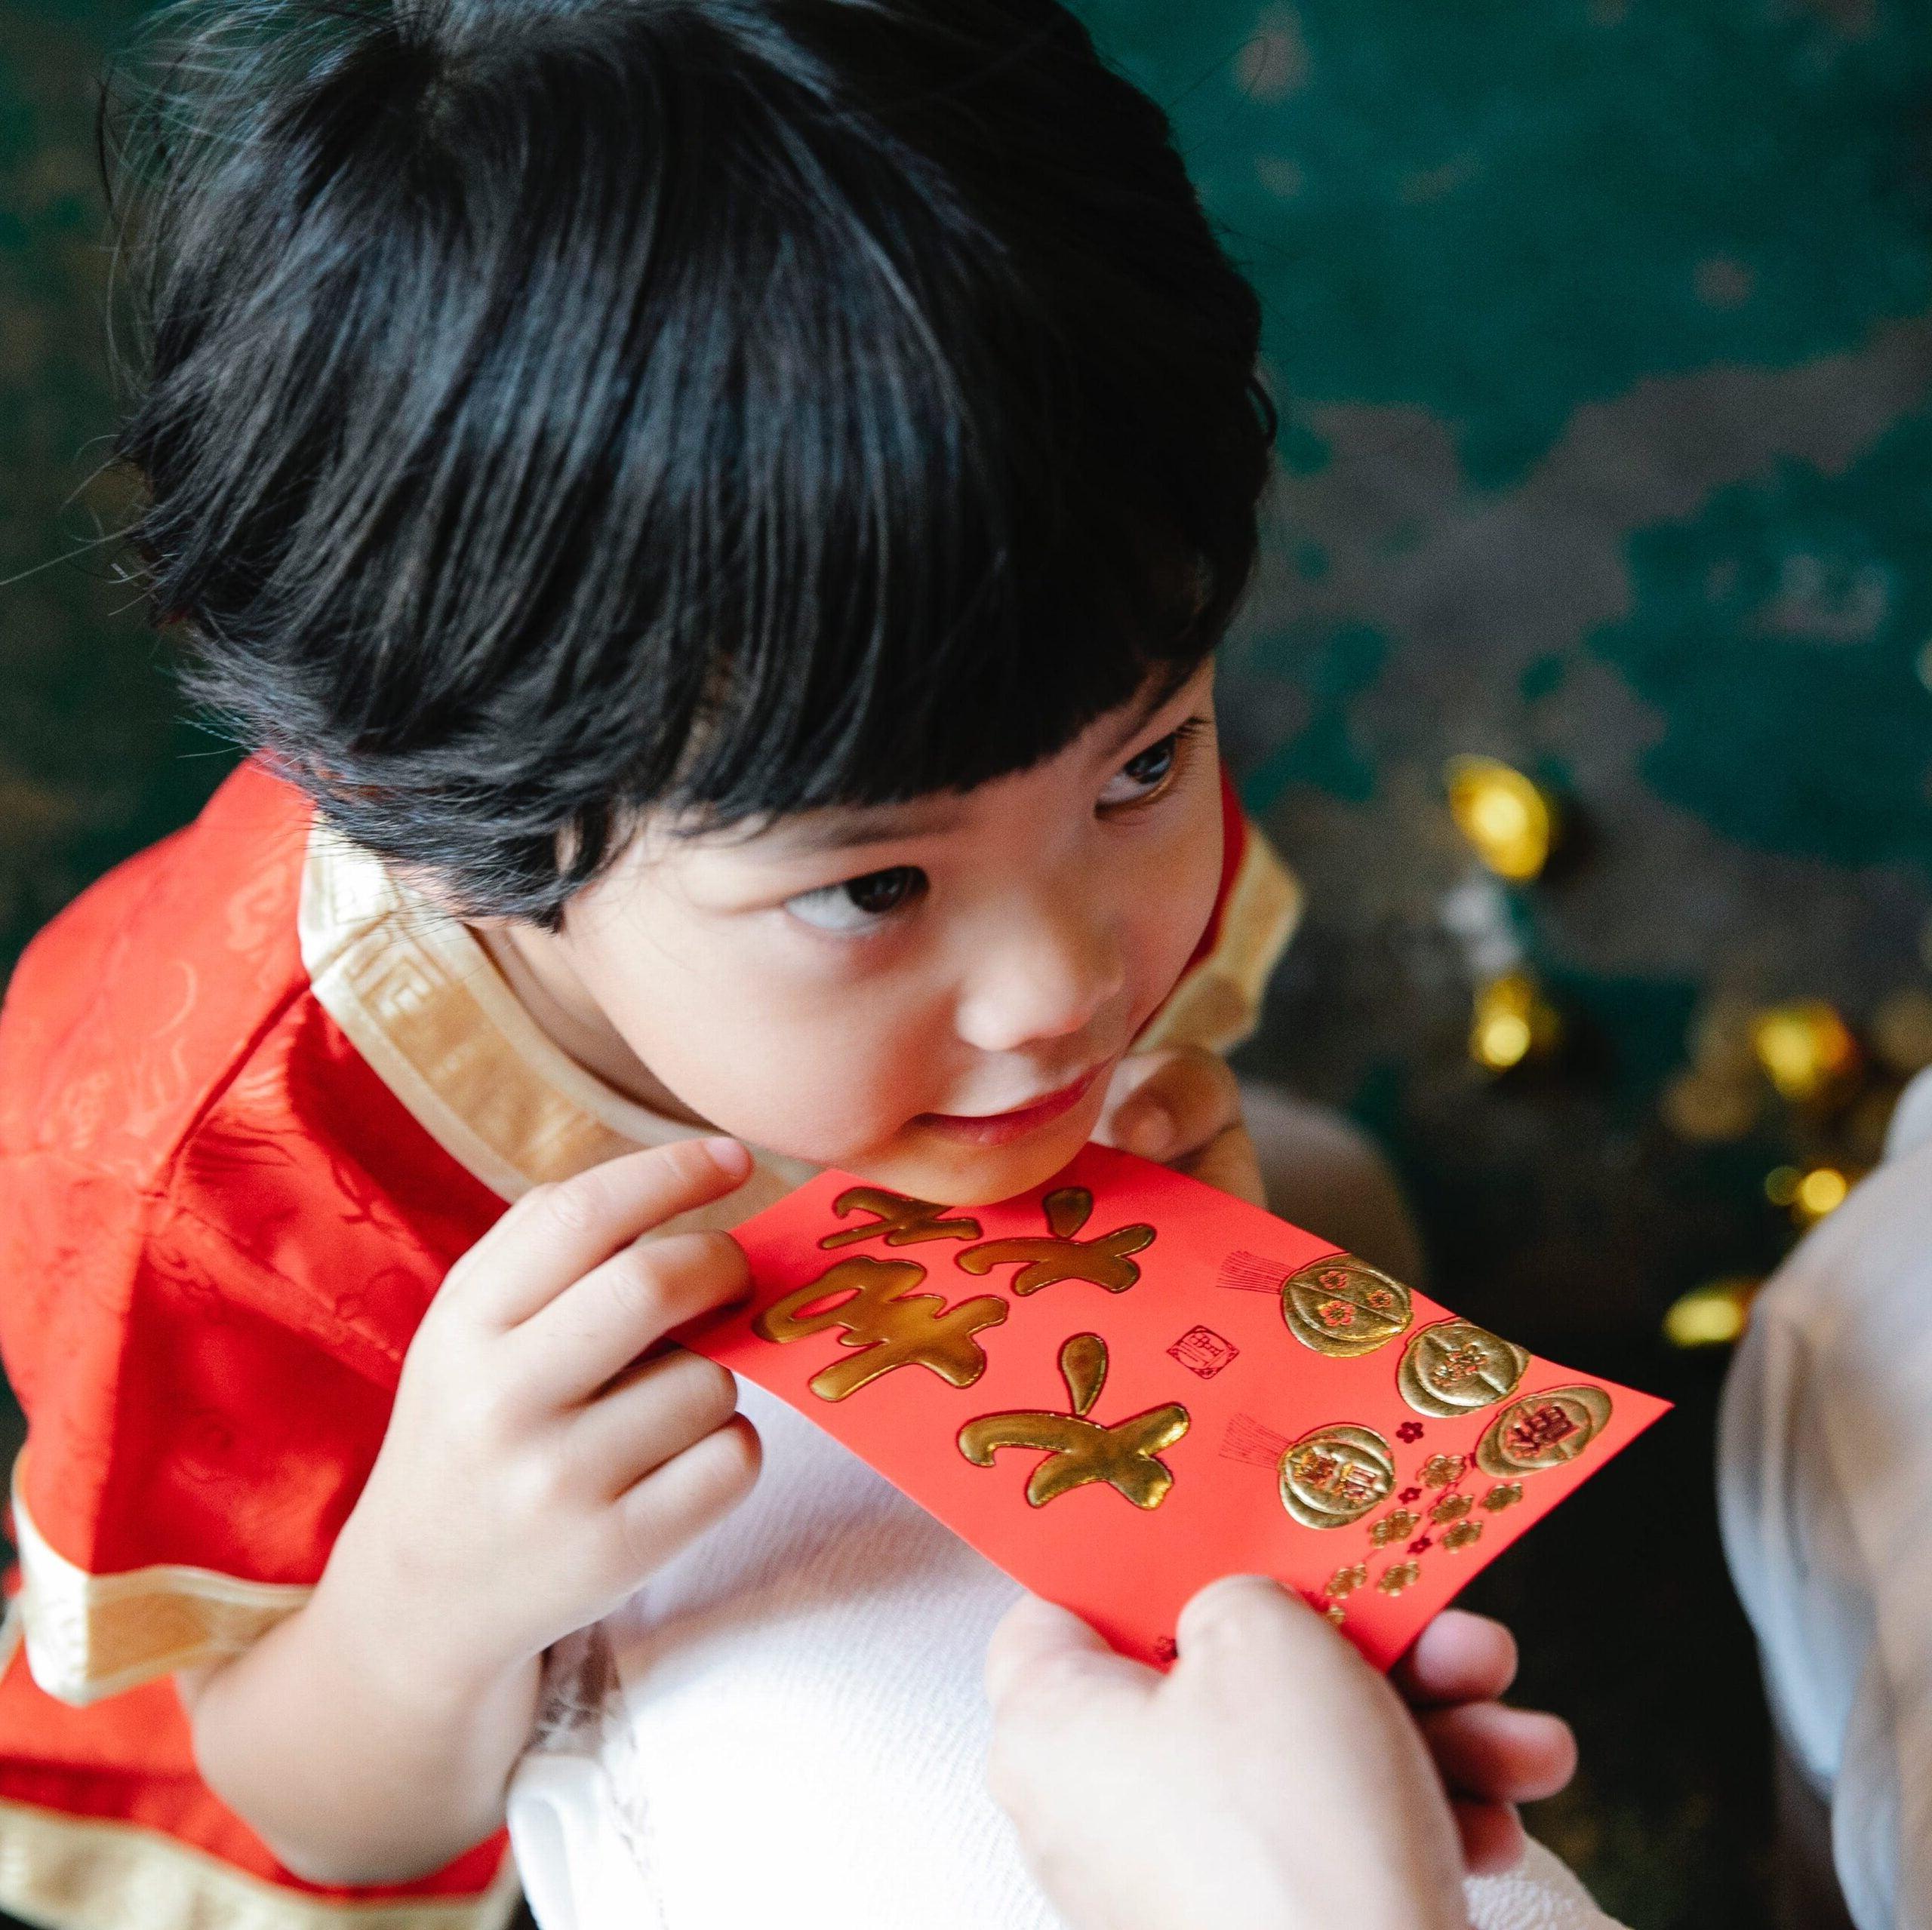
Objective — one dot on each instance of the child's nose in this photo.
(1046, 978)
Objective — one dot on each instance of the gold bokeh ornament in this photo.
(1509, 820)
(1337, 1474)
(1344, 1308)
(1543, 1430)
(1511, 1021)
(1455, 1367)
(1806, 1049)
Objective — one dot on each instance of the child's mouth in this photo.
(999, 1129)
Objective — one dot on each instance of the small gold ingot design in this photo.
(1343, 1307)
(1396, 1527)
(1455, 1367)
(1403, 1574)
(1510, 1021)
(900, 1220)
(890, 1325)
(1450, 1507)
(1079, 1450)
(1509, 820)
(1045, 1261)
(1444, 1470)
(1464, 1534)
(1336, 1475)
(1346, 1580)
(1505, 1494)
(1543, 1430)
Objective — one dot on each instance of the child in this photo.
(712, 517)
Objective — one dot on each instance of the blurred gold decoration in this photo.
(1509, 822)
(1901, 1031)
(1806, 1048)
(1781, 1185)
(1709, 1108)
(1513, 1022)
(1713, 1315)
(1822, 1190)
(1721, 1094)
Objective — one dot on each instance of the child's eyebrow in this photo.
(818, 831)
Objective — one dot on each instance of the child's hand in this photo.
(1181, 1105)
(538, 1466)
(1490, 1758)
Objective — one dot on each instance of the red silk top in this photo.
(254, 1101)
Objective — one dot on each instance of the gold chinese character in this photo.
(1045, 1261)
(1079, 1450)
(902, 1221)
(890, 1325)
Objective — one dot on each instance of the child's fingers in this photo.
(1492, 1837)
(1495, 1754)
(674, 1504)
(1457, 1658)
(599, 1325)
(556, 1233)
(651, 1413)
(1171, 1103)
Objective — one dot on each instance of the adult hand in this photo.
(1270, 1780)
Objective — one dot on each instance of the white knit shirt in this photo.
(785, 1730)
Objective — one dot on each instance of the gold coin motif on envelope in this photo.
(1455, 1367)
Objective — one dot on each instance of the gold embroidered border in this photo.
(432, 1017)
(1217, 1003)
(82, 1874)
(92, 1636)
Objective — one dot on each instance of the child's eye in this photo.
(1146, 775)
(858, 902)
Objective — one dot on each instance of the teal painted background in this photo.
(1604, 329)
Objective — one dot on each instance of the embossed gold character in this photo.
(1543, 1430)
(1343, 1307)
(1336, 1475)
(1455, 1367)
(1080, 1450)
(891, 1325)
(1046, 1260)
(900, 1220)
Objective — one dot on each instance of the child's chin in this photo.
(929, 1166)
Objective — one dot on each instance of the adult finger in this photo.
(598, 1325)
(1035, 1639)
(1457, 1658)
(556, 1233)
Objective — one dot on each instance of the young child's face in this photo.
(932, 995)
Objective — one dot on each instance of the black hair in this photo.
(549, 410)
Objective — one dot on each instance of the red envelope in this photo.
(1123, 1383)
